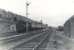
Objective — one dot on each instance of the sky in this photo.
(52, 12)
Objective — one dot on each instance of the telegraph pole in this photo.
(27, 5)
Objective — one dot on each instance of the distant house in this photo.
(69, 27)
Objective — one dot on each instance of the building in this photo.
(69, 27)
(7, 23)
(10, 22)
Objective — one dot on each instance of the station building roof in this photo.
(70, 20)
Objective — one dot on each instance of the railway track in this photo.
(24, 41)
(35, 44)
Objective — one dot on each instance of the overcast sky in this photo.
(53, 12)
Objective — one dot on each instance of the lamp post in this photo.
(27, 5)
